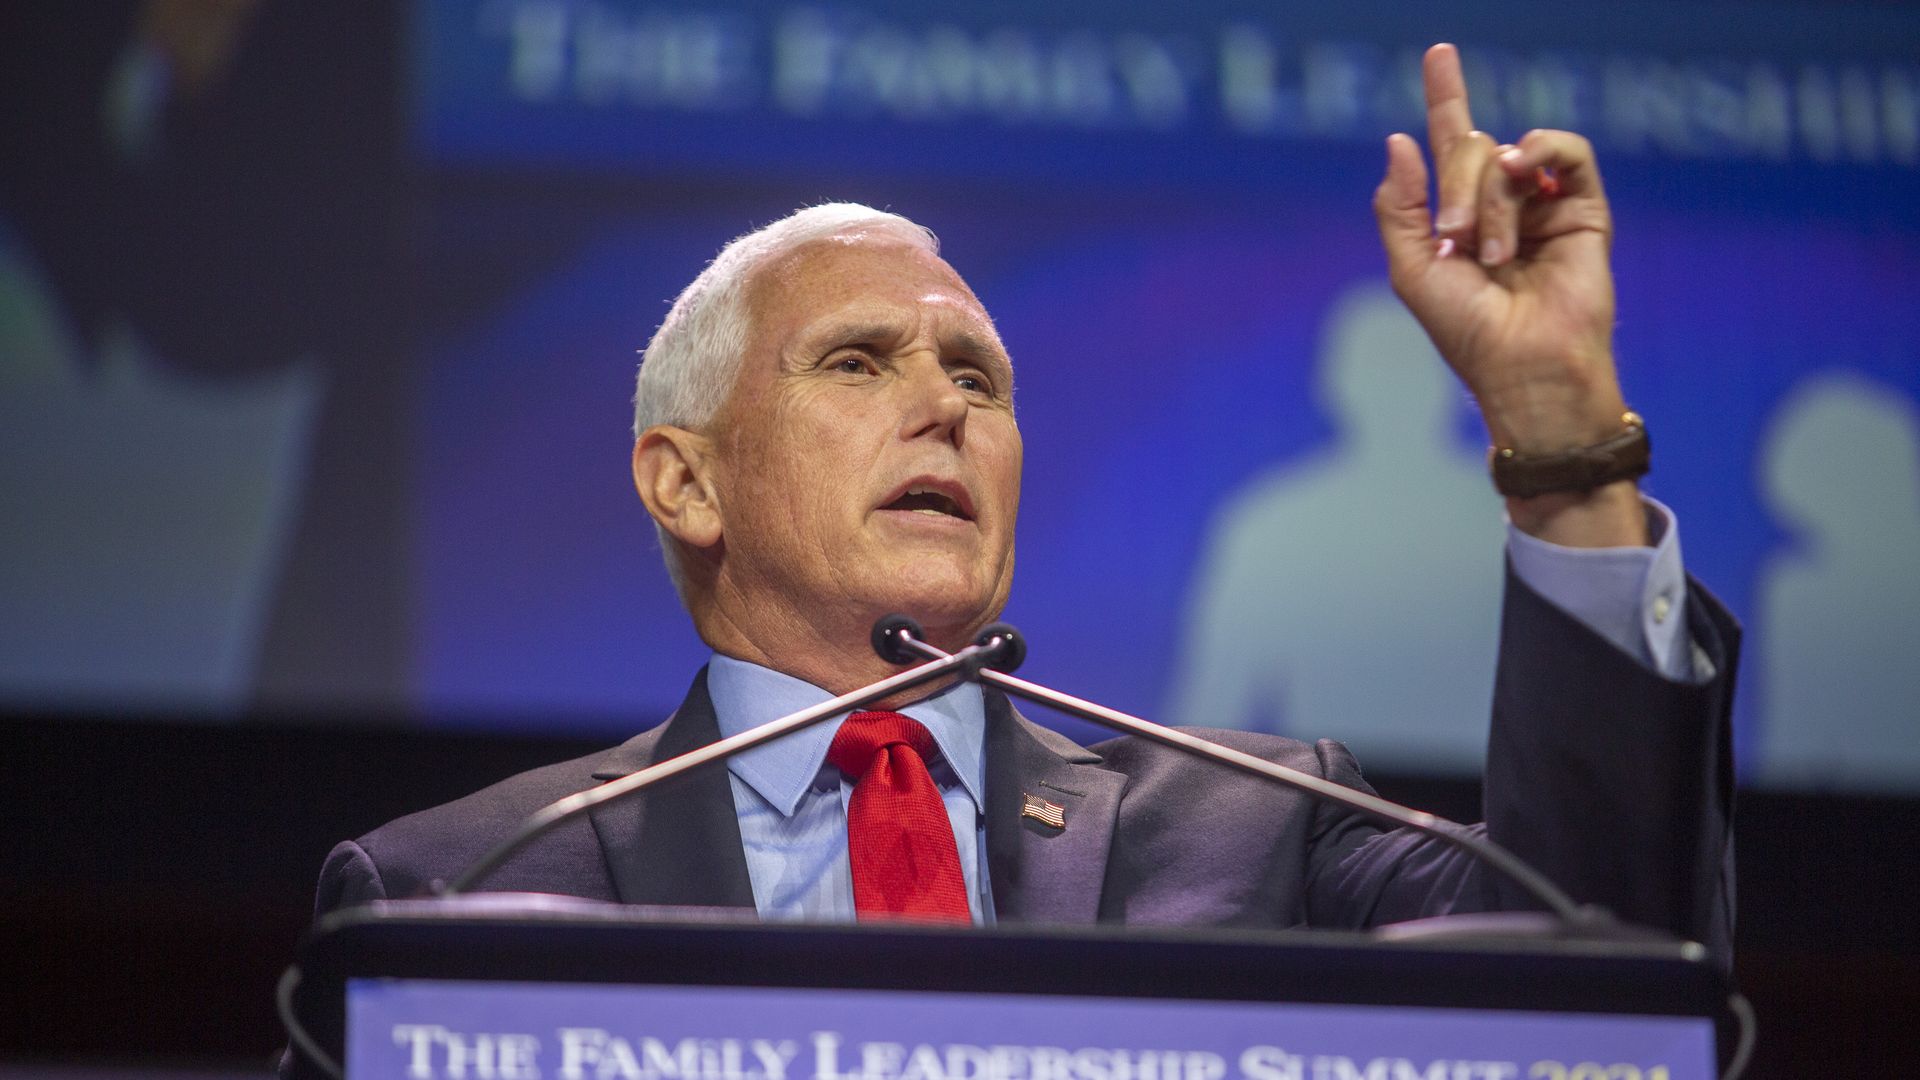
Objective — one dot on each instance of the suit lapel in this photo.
(1041, 874)
(678, 843)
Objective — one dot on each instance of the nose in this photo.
(934, 407)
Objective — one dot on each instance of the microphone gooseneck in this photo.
(998, 650)
(552, 815)
(904, 639)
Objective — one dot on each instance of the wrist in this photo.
(1611, 515)
(1625, 455)
(1579, 406)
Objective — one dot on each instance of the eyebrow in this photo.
(975, 346)
(987, 353)
(967, 344)
(857, 333)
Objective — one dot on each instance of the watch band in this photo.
(1626, 456)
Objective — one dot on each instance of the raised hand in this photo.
(1511, 280)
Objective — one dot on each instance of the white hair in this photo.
(689, 367)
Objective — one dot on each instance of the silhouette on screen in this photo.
(1839, 607)
(1355, 594)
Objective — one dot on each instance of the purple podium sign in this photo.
(412, 1029)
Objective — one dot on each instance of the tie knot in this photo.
(864, 734)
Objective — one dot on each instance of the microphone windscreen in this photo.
(1013, 646)
(887, 641)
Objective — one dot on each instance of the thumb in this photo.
(1400, 205)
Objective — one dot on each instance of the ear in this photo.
(672, 470)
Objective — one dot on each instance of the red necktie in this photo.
(899, 838)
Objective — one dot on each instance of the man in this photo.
(826, 434)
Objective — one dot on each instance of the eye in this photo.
(853, 364)
(973, 384)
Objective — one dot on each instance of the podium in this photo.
(514, 987)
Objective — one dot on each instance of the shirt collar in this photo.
(746, 695)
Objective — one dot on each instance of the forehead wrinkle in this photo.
(961, 300)
(955, 316)
(882, 323)
(858, 330)
(841, 328)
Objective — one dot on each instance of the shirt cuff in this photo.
(1635, 597)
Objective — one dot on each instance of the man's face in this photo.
(867, 457)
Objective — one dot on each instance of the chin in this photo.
(948, 595)
(945, 607)
(945, 610)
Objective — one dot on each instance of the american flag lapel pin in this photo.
(1042, 811)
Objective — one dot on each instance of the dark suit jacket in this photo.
(1614, 782)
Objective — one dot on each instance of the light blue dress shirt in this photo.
(792, 804)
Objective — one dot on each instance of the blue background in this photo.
(1163, 291)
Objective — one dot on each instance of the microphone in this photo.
(898, 639)
(965, 662)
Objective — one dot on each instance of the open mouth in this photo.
(925, 499)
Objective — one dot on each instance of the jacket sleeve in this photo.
(348, 877)
(1613, 781)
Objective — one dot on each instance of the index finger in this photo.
(1448, 117)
